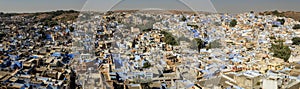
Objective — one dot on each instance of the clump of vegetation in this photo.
(169, 38)
(71, 28)
(200, 44)
(274, 25)
(8, 14)
(50, 23)
(183, 18)
(146, 65)
(277, 13)
(296, 40)
(147, 30)
(297, 26)
(55, 14)
(282, 21)
(281, 51)
(272, 37)
(233, 23)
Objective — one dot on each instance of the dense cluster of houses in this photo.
(125, 50)
(35, 56)
(132, 56)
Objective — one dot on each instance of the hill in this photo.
(59, 15)
(290, 14)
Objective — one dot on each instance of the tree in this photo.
(281, 51)
(233, 23)
(146, 65)
(183, 18)
(272, 37)
(200, 44)
(72, 28)
(146, 30)
(169, 38)
(274, 25)
(282, 21)
(296, 40)
(275, 12)
(297, 26)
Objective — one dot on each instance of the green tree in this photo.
(200, 44)
(146, 65)
(233, 23)
(183, 18)
(277, 13)
(169, 38)
(282, 21)
(72, 28)
(297, 26)
(281, 51)
(296, 40)
(272, 37)
(274, 25)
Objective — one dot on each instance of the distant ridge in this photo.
(289, 14)
(160, 11)
(71, 14)
(59, 15)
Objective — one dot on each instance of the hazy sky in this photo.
(227, 6)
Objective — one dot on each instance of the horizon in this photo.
(135, 9)
(230, 6)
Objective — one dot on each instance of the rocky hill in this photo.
(58, 15)
(290, 14)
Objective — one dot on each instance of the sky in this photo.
(222, 6)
